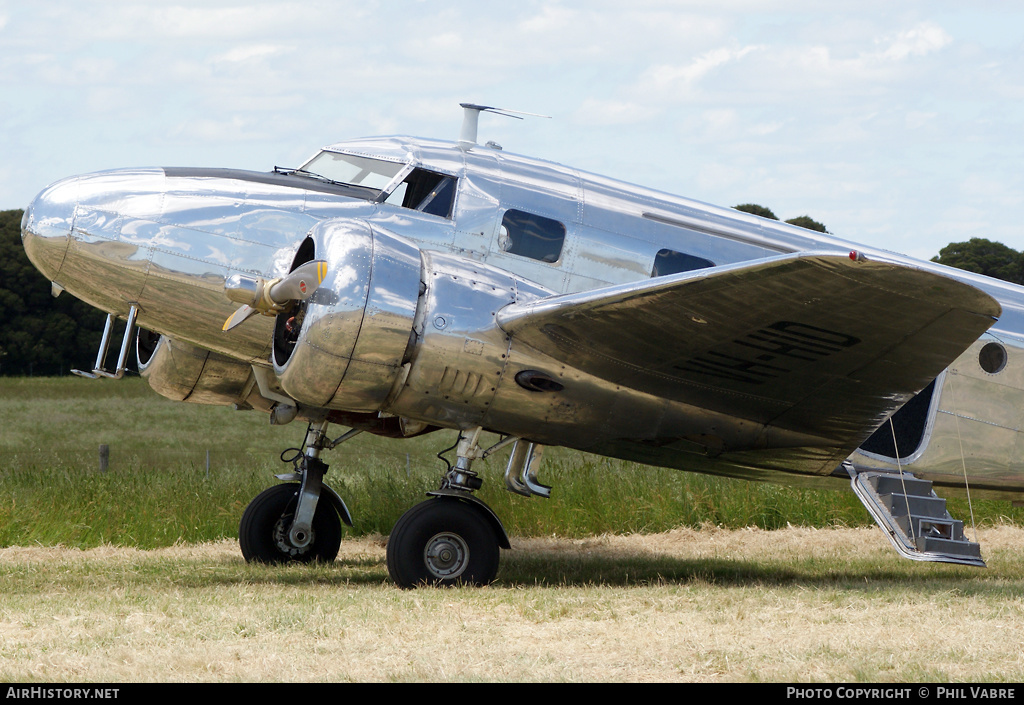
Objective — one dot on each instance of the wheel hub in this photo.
(284, 544)
(446, 555)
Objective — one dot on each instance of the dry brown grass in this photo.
(708, 605)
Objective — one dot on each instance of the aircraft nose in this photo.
(46, 226)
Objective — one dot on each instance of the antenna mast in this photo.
(471, 120)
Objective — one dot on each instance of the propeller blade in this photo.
(300, 284)
(297, 286)
(238, 317)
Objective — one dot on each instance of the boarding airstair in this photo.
(913, 516)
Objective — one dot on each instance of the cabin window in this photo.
(672, 262)
(532, 236)
(992, 358)
(425, 191)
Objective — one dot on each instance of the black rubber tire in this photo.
(262, 533)
(448, 527)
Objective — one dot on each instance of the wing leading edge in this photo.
(815, 343)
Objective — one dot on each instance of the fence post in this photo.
(207, 463)
(104, 457)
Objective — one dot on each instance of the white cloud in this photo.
(916, 119)
(723, 122)
(994, 190)
(235, 129)
(444, 41)
(181, 21)
(667, 77)
(75, 71)
(245, 53)
(923, 39)
(767, 128)
(552, 18)
(612, 112)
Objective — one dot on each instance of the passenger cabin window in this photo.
(532, 236)
(672, 262)
(425, 191)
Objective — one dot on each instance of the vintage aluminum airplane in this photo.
(412, 284)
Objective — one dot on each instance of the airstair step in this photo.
(930, 544)
(914, 505)
(913, 517)
(896, 484)
(916, 527)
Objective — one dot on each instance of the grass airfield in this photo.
(709, 605)
(627, 574)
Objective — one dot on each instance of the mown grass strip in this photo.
(793, 605)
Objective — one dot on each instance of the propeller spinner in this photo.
(270, 297)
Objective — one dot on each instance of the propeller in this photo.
(270, 297)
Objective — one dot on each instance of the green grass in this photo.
(158, 490)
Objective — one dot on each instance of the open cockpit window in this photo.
(531, 236)
(425, 191)
(418, 189)
(672, 262)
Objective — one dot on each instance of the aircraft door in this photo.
(477, 206)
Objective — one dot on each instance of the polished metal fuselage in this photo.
(166, 240)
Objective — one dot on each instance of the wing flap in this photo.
(811, 342)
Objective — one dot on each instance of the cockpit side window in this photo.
(425, 191)
(419, 189)
(672, 262)
(531, 236)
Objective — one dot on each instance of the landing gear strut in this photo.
(452, 538)
(266, 523)
(292, 522)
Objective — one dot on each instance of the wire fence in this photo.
(105, 457)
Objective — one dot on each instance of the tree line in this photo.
(45, 336)
(40, 335)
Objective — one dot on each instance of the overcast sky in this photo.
(895, 123)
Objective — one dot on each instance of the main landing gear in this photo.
(444, 541)
(452, 538)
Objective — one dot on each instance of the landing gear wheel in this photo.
(442, 542)
(263, 532)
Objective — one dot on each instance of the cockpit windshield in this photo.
(349, 169)
(410, 187)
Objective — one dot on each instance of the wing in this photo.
(817, 343)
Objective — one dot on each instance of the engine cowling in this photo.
(183, 372)
(344, 347)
